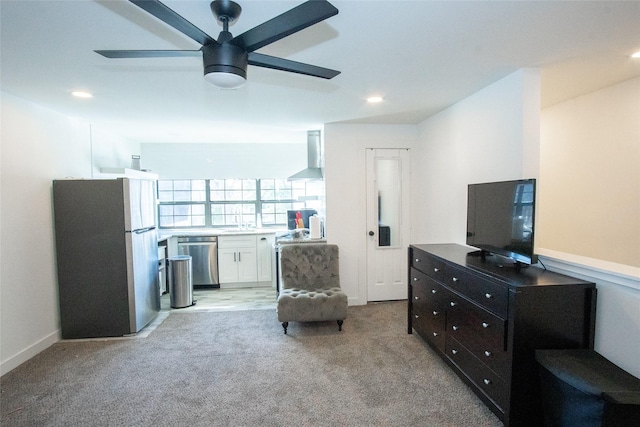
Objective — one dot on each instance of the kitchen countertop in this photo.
(298, 240)
(166, 233)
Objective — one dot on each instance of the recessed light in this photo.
(374, 99)
(81, 94)
(636, 55)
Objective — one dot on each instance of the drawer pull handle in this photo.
(453, 304)
(455, 279)
(435, 334)
(454, 351)
(417, 259)
(436, 269)
(434, 291)
(487, 353)
(417, 317)
(415, 279)
(486, 381)
(416, 298)
(485, 325)
(435, 313)
(455, 328)
(488, 295)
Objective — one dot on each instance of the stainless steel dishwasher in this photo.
(204, 258)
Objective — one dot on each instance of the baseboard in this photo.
(26, 354)
(243, 285)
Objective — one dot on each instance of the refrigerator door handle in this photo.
(143, 230)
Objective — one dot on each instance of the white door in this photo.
(388, 228)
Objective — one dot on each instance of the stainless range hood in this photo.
(315, 164)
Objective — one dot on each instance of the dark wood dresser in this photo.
(485, 319)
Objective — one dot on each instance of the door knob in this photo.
(371, 233)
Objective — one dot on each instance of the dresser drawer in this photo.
(431, 328)
(428, 308)
(432, 290)
(486, 380)
(492, 355)
(429, 265)
(470, 322)
(482, 332)
(488, 294)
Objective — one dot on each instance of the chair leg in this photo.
(285, 325)
(340, 325)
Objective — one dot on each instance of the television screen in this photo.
(500, 219)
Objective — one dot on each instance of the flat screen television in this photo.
(500, 219)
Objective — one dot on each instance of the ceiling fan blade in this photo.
(162, 12)
(294, 20)
(148, 53)
(267, 61)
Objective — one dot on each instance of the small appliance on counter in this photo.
(315, 227)
(305, 214)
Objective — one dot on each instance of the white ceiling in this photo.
(421, 56)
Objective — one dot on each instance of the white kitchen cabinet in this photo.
(237, 265)
(265, 253)
(242, 259)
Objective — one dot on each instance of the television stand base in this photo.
(480, 253)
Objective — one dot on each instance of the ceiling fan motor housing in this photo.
(224, 58)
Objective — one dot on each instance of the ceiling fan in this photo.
(225, 60)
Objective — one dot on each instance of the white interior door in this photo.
(388, 228)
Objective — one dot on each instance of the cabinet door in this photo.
(247, 265)
(265, 258)
(228, 265)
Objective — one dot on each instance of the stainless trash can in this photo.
(180, 281)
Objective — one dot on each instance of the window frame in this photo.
(298, 197)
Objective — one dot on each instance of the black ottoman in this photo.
(582, 388)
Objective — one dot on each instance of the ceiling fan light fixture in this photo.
(225, 80)
(225, 65)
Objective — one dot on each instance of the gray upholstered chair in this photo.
(310, 288)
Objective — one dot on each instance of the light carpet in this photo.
(239, 369)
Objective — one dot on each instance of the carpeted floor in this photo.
(237, 368)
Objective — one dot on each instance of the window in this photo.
(234, 202)
(182, 203)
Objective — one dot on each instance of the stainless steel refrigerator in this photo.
(107, 256)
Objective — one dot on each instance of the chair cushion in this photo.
(310, 266)
(322, 304)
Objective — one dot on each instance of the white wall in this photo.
(483, 138)
(345, 183)
(38, 145)
(236, 160)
